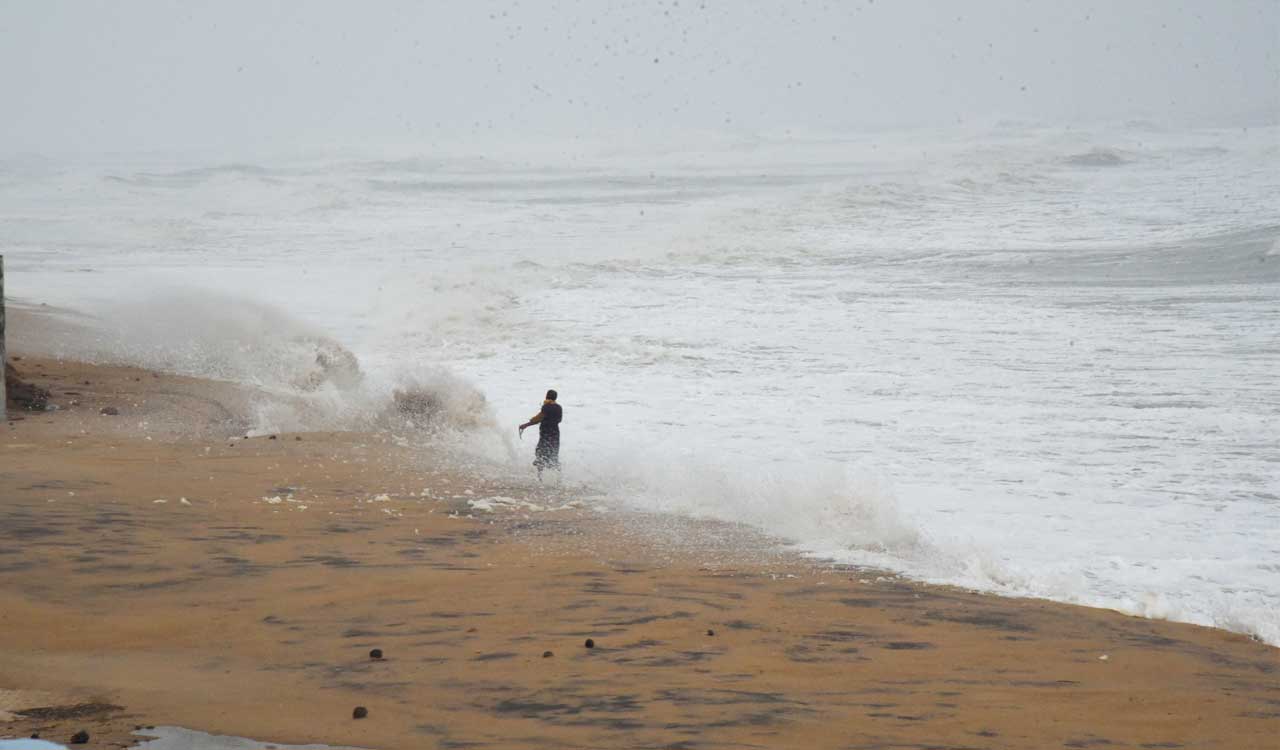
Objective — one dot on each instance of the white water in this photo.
(1030, 361)
(176, 738)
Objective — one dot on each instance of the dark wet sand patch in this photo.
(495, 656)
(76, 711)
(678, 615)
(671, 659)
(980, 619)
(1088, 742)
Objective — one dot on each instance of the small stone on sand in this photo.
(547, 654)
(590, 643)
(110, 411)
(375, 654)
(81, 737)
(360, 712)
(710, 632)
(273, 437)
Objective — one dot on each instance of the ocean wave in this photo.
(816, 501)
(1244, 256)
(847, 514)
(1099, 157)
(200, 175)
(299, 378)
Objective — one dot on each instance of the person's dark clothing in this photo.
(551, 416)
(547, 454)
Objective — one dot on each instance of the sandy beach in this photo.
(158, 569)
(917, 362)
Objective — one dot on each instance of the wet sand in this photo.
(247, 603)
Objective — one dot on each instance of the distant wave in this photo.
(199, 175)
(1246, 256)
(1099, 157)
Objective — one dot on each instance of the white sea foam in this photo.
(1030, 361)
(30, 744)
(177, 738)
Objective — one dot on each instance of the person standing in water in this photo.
(547, 454)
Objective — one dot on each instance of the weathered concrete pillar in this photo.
(4, 390)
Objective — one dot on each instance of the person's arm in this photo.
(536, 418)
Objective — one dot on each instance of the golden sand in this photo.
(153, 570)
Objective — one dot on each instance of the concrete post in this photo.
(4, 389)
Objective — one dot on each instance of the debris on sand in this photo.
(21, 395)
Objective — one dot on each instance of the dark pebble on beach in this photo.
(110, 411)
(547, 654)
(360, 712)
(298, 438)
(35, 735)
(375, 654)
(81, 737)
(273, 437)
(711, 632)
(590, 643)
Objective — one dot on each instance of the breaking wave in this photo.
(298, 377)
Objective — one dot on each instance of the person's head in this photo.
(551, 395)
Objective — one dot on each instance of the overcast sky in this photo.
(89, 76)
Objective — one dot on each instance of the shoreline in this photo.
(246, 603)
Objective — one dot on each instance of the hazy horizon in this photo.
(239, 77)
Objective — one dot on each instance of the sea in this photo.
(1024, 359)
